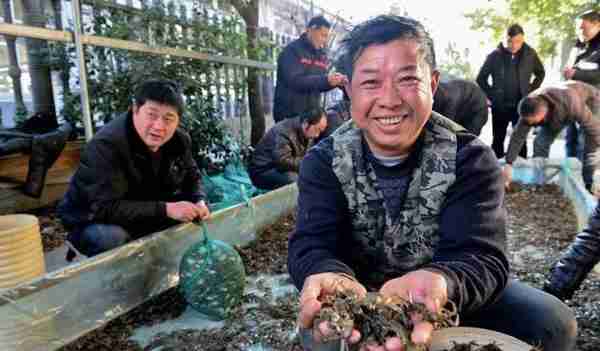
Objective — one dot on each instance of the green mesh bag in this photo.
(212, 277)
(229, 188)
(214, 192)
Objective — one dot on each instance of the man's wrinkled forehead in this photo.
(376, 65)
(374, 60)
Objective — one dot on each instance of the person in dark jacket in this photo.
(463, 102)
(576, 262)
(382, 204)
(586, 69)
(136, 176)
(511, 69)
(552, 108)
(302, 72)
(277, 157)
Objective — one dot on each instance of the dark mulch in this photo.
(51, 229)
(267, 255)
(541, 223)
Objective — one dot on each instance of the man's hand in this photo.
(204, 211)
(185, 211)
(337, 79)
(568, 72)
(507, 175)
(315, 287)
(428, 288)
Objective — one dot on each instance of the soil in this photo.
(52, 231)
(265, 319)
(541, 223)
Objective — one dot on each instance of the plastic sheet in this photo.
(59, 307)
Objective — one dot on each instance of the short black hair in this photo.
(312, 116)
(590, 15)
(163, 91)
(514, 30)
(529, 105)
(382, 30)
(318, 22)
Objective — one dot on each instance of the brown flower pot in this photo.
(21, 253)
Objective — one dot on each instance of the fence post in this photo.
(183, 16)
(85, 99)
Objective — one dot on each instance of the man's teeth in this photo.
(390, 120)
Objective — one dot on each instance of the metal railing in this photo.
(232, 69)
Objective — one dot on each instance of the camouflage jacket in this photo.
(571, 101)
(403, 244)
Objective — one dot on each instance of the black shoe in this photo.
(70, 255)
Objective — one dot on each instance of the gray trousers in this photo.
(590, 171)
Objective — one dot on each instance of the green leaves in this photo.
(552, 20)
(457, 63)
(113, 74)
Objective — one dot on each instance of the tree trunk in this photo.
(14, 71)
(37, 54)
(255, 96)
(249, 13)
(566, 45)
(64, 57)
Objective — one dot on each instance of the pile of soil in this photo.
(269, 254)
(51, 229)
(541, 223)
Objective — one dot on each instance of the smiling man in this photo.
(403, 201)
(136, 176)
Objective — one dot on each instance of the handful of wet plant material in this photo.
(378, 318)
(473, 346)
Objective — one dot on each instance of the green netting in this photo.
(229, 188)
(212, 277)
